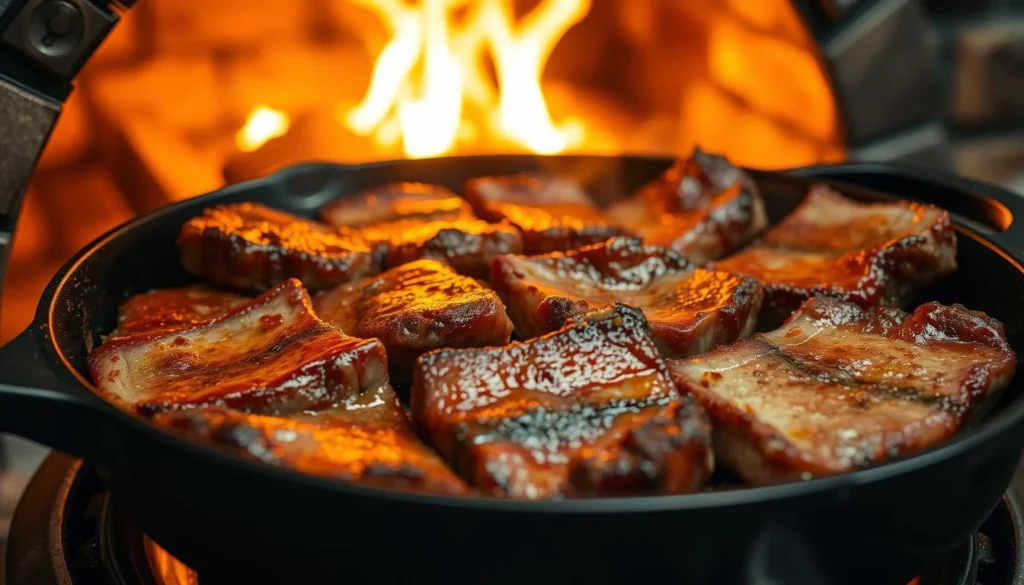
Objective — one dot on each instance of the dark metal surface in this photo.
(26, 121)
(59, 35)
(68, 531)
(880, 525)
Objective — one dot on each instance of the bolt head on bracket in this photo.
(59, 35)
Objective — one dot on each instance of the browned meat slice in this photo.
(589, 410)
(553, 213)
(689, 310)
(468, 245)
(415, 308)
(838, 388)
(702, 207)
(367, 439)
(395, 201)
(874, 254)
(271, 356)
(249, 246)
(173, 308)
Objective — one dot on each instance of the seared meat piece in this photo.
(689, 310)
(173, 308)
(415, 308)
(838, 388)
(870, 253)
(468, 245)
(702, 207)
(589, 410)
(553, 213)
(395, 201)
(269, 356)
(367, 439)
(249, 246)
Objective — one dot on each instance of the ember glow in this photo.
(263, 124)
(431, 82)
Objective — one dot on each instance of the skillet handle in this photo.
(38, 404)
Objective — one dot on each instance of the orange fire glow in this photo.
(465, 76)
(263, 124)
(431, 106)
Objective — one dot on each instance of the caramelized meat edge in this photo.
(689, 310)
(838, 388)
(586, 411)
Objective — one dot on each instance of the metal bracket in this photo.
(59, 35)
(43, 44)
(26, 121)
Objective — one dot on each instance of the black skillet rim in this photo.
(995, 424)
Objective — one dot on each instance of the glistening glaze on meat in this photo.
(588, 410)
(414, 308)
(468, 245)
(174, 308)
(366, 439)
(395, 201)
(838, 388)
(874, 254)
(249, 246)
(689, 310)
(553, 213)
(272, 355)
(702, 207)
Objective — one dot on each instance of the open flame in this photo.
(433, 71)
(263, 124)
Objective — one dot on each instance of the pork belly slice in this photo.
(395, 201)
(838, 388)
(468, 245)
(270, 356)
(702, 207)
(249, 246)
(415, 308)
(690, 310)
(367, 439)
(587, 411)
(874, 254)
(168, 309)
(553, 213)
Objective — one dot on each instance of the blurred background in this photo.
(187, 95)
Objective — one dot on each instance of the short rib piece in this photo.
(690, 310)
(553, 213)
(367, 439)
(702, 207)
(586, 411)
(252, 247)
(415, 308)
(270, 356)
(838, 388)
(874, 254)
(468, 245)
(396, 201)
(168, 309)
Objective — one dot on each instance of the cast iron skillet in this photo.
(226, 516)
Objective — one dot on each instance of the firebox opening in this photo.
(176, 103)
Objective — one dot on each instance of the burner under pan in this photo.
(67, 530)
